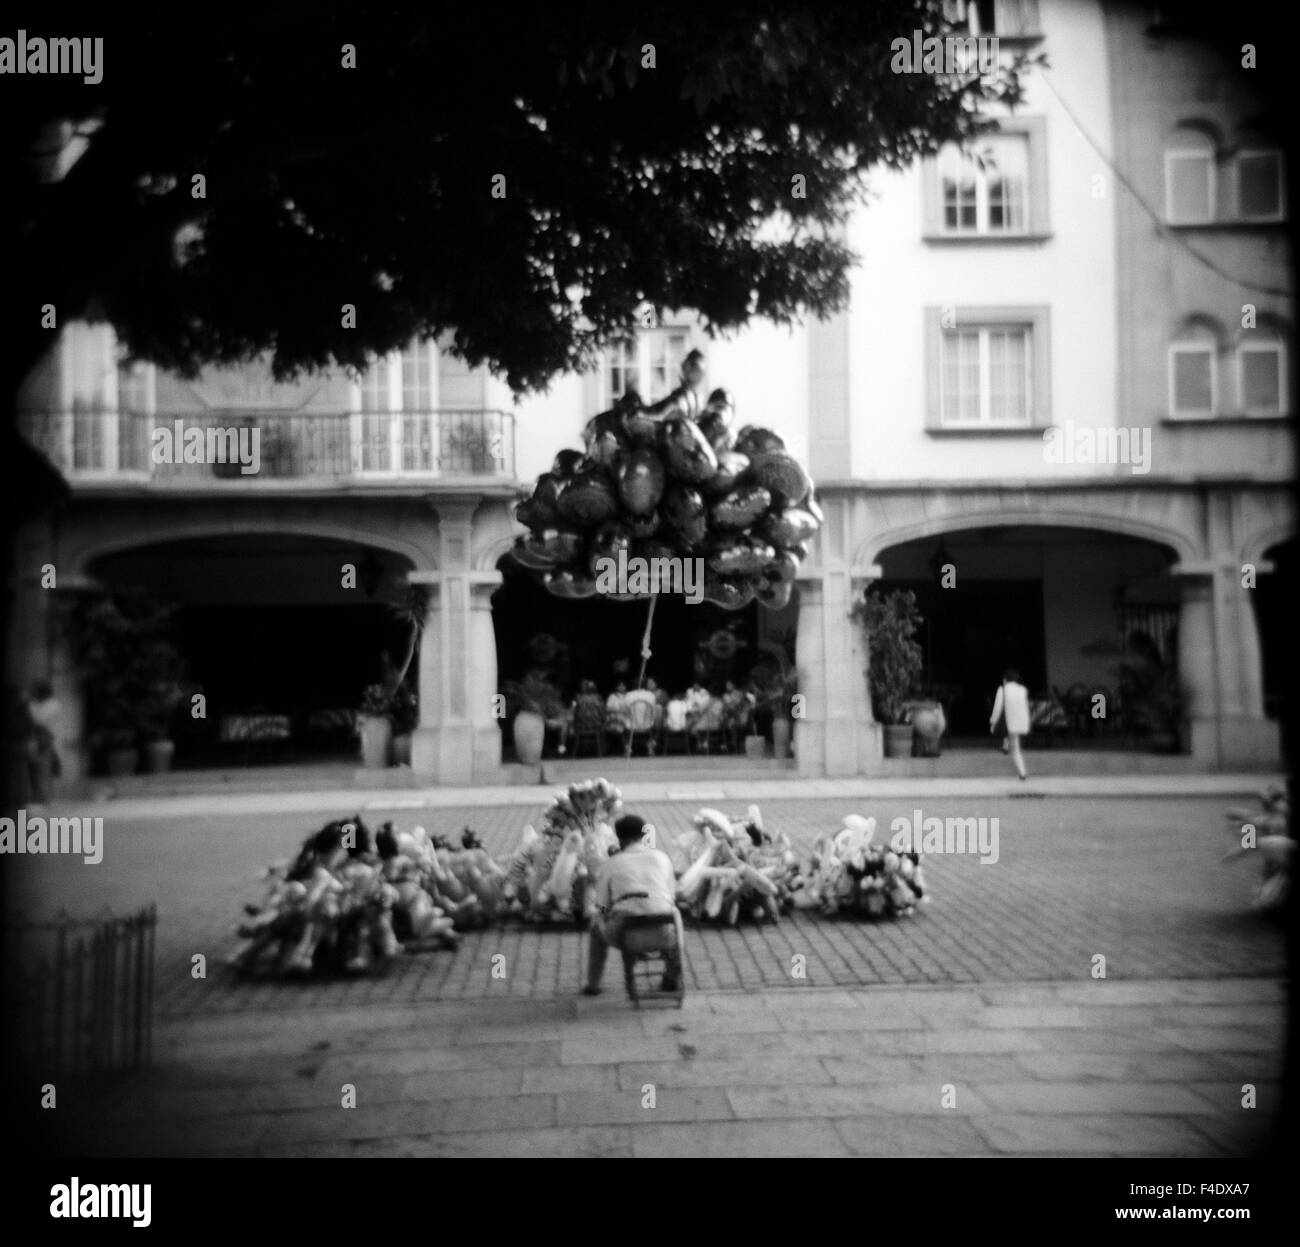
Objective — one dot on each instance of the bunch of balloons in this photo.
(672, 481)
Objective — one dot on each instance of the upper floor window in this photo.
(1209, 375)
(988, 193)
(987, 368)
(650, 364)
(1261, 373)
(1259, 184)
(1209, 182)
(995, 190)
(1193, 373)
(1008, 19)
(403, 380)
(1190, 179)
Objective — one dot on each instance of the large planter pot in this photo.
(781, 732)
(402, 749)
(898, 740)
(929, 724)
(121, 761)
(376, 741)
(529, 733)
(157, 756)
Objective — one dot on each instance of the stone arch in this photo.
(84, 552)
(1260, 543)
(868, 554)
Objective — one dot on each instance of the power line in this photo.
(1162, 227)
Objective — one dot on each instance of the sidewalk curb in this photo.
(378, 801)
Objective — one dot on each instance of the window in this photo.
(1192, 374)
(1190, 177)
(985, 376)
(135, 408)
(1009, 19)
(986, 193)
(997, 190)
(987, 368)
(650, 363)
(1261, 376)
(396, 426)
(1259, 185)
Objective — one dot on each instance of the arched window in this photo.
(1261, 372)
(1189, 178)
(1193, 372)
(1258, 178)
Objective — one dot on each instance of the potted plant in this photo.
(891, 621)
(528, 701)
(158, 670)
(776, 695)
(1151, 701)
(405, 715)
(131, 675)
(375, 726)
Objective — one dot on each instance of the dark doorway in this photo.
(599, 639)
(972, 632)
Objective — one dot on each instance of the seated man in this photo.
(616, 711)
(637, 880)
(675, 716)
(646, 719)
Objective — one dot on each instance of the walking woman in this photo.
(1012, 705)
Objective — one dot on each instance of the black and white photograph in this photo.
(649, 581)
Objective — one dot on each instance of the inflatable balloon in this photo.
(610, 540)
(751, 441)
(732, 467)
(775, 594)
(731, 595)
(570, 584)
(689, 456)
(546, 547)
(782, 476)
(713, 426)
(588, 499)
(567, 463)
(684, 509)
(642, 526)
(740, 508)
(787, 529)
(740, 557)
(641, 478)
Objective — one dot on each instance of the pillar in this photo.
(457, 741)
(838, 735)
(1198, 667)
(1220, 665)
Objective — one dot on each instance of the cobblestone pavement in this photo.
(1136, 880)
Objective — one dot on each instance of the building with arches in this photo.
(1112, 260)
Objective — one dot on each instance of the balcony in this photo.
(230, 451)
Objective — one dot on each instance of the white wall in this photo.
(1072, 272)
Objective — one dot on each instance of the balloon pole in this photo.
(645, 640)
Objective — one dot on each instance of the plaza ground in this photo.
(974, 1028)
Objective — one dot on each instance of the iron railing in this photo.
(138, 447)
(81, 994)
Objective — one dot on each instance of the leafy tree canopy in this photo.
(649, 154)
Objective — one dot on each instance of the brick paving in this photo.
(987, 993)
(1137, 880)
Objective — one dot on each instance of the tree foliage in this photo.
(649, 154)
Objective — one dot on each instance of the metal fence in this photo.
(80, 994)
(159, 447)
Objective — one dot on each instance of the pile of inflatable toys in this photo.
(852, 875)
(737, 869)
(1266, 832)
(547, 877)
(351, 899)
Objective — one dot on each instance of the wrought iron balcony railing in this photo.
(108, 446)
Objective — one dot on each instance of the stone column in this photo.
(1246, 737)
(838, 735)
(483, 679)
(444, 745)
(1198, 664)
